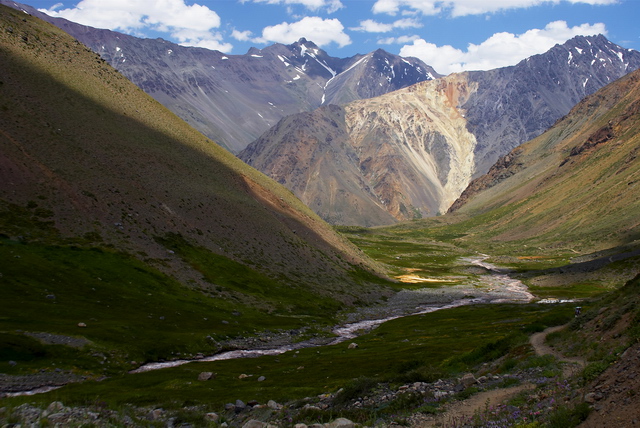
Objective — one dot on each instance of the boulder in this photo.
(342, 423)
(467, 380)
(273, 405)
(212, 417)
(352, 346)
(253, 423)
(204, 376)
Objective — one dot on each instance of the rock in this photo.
(212, 417)
(252, 403)
(300, 426)
(261, 379)
(467, 380)
(240, 406)
(273, 405)
(81, 324)
(229, 406)
(244, 376)
(341, 422)
(55, 406)
(155, 414)
(204, 376)
(253, 423)
(352, 345)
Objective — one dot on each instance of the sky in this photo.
(449, 35)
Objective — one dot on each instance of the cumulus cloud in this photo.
(371, 26)
(398, 40)
(242, 36)
(321, 31)
(467, 7)
(499, 50)
(190, 25)
(315, 5)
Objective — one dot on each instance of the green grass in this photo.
(445, 341)
(131, 310)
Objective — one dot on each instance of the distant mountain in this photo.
(515, 104)
(575, 185)
(412, 152)
(233, 99)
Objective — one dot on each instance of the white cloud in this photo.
(371, 26)
(321, 31)
(467, 7)
(242, 36)
(315, 5)
(190, 25)
(398, 40)
(499, 50)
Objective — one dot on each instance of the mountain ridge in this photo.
(232, 99)
(419, 167)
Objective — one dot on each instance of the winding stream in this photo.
(494, 287)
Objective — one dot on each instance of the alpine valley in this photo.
(142, 263)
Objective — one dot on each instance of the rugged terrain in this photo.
(233, 99)
(410, 154)
(576, 183)
(115, 214)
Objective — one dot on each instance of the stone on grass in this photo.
(212, 417)
(273, 405)
(467, 380)
(342, 423)
(206, 376)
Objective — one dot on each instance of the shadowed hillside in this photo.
(103, 190)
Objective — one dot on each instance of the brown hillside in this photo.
(577, 185)
(85, 150)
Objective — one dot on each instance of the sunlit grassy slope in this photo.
(561, 209)
(137, 225)
(576, 187)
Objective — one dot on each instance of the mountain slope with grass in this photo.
(118, 216)
(576, 186)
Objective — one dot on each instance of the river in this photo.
(494, 287)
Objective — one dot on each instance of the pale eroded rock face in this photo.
(400, 156)
(414, 147)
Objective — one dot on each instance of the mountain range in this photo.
(127, 236)
(405, 141)
(410, 153)
(233, 99)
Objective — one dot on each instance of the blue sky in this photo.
(450, 35)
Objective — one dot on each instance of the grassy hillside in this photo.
(563, 208)
(116, 214)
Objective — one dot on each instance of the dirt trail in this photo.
(460, 411)
(573, 364)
